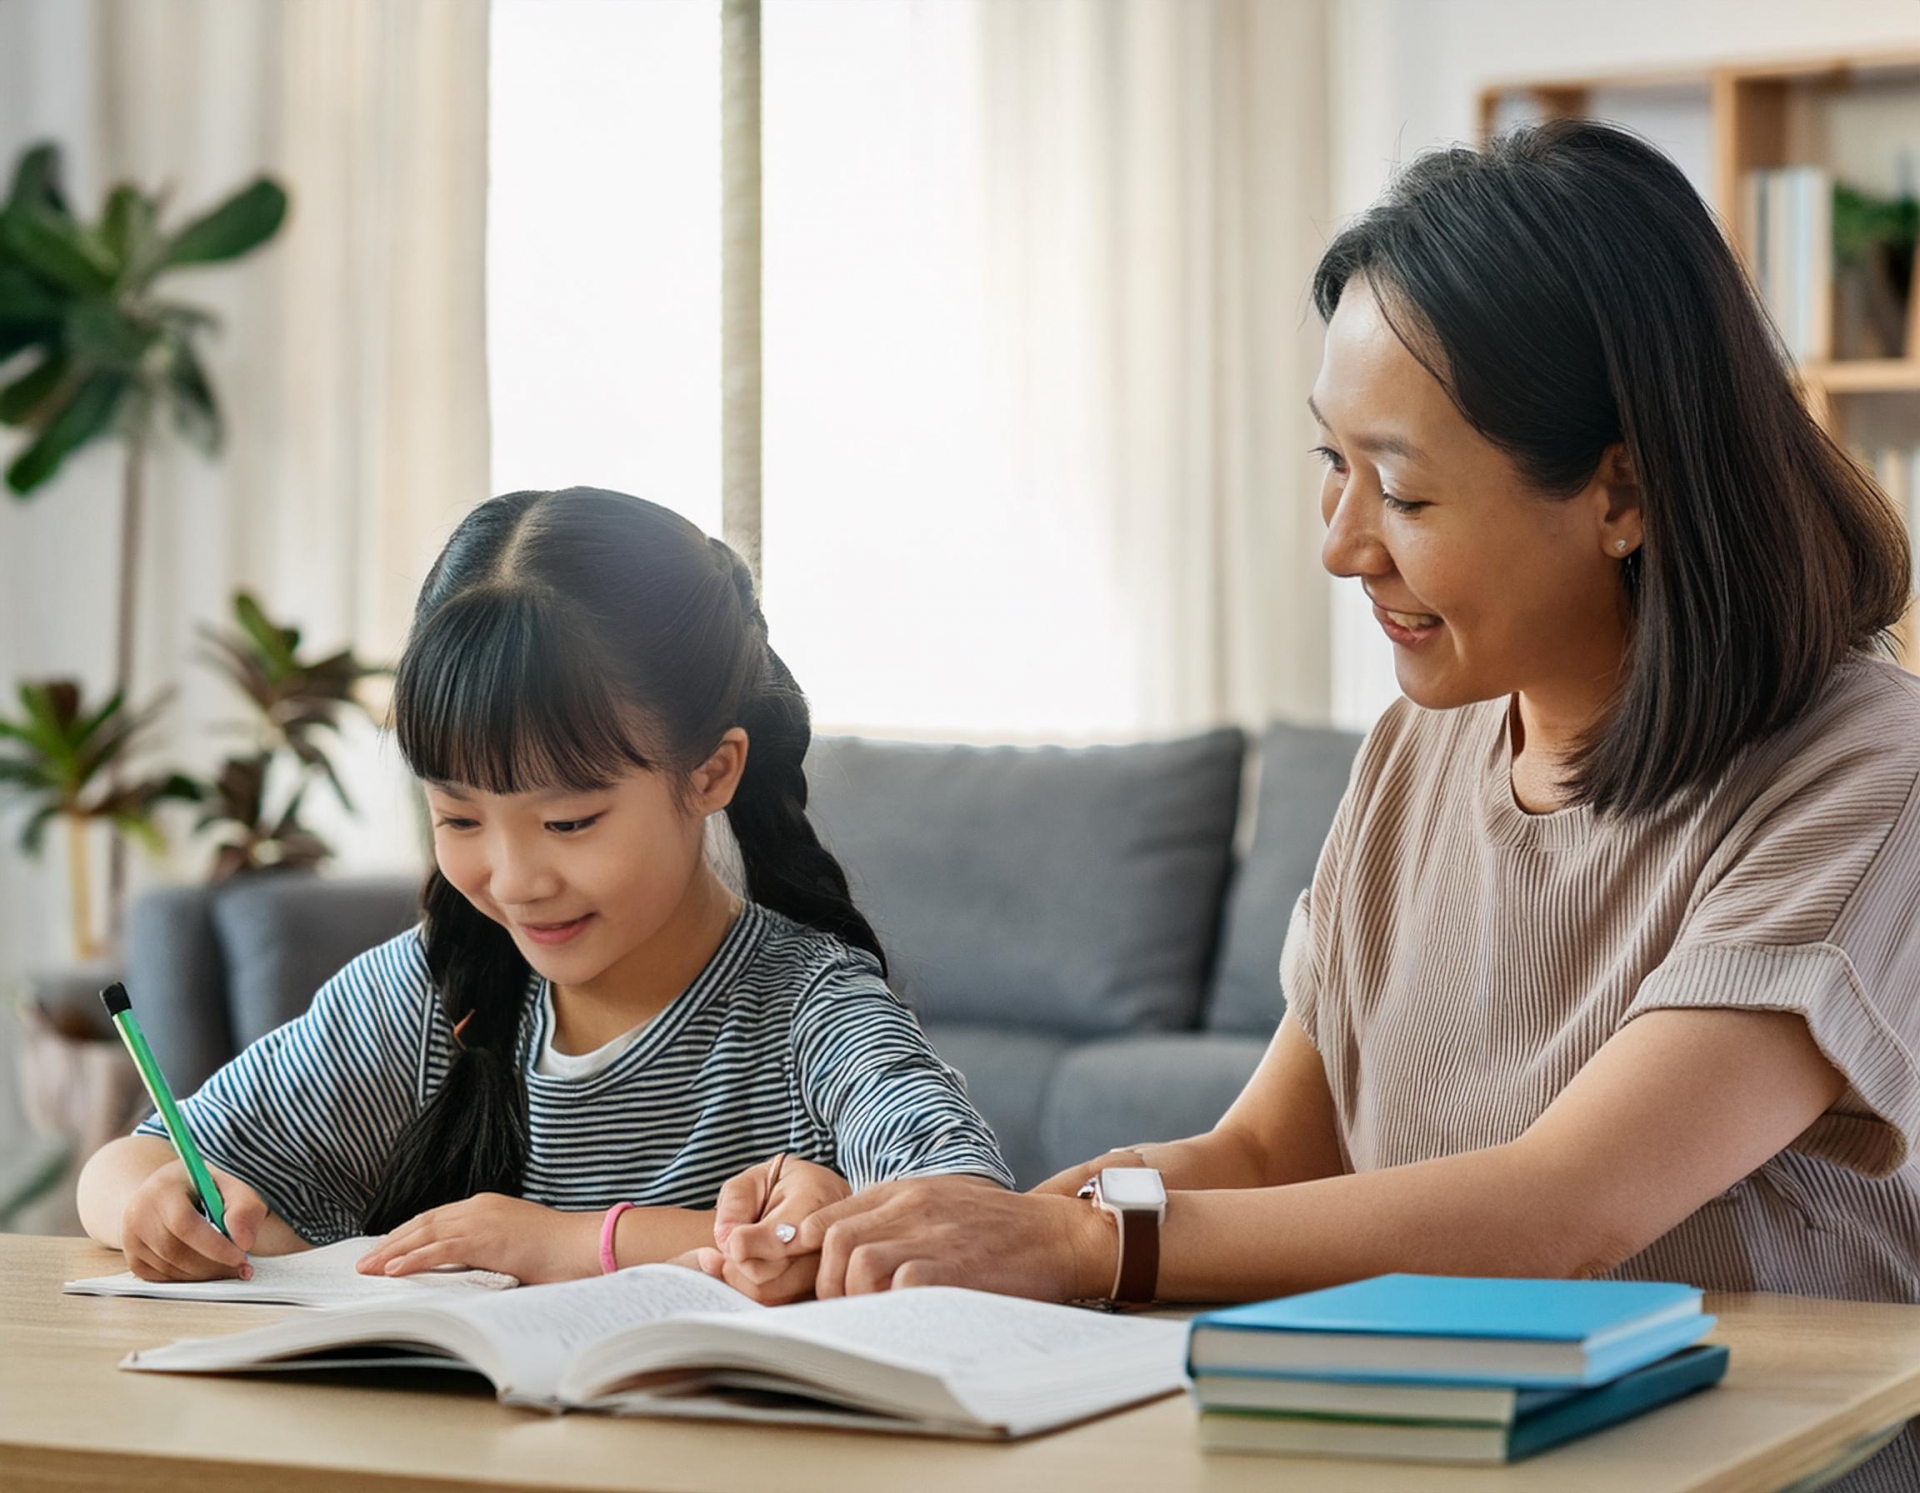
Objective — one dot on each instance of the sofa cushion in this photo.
(1072, 889)
(1303, 773)
(1157, 1086)
(1008, 1072)
(285, 934)
(178, 980)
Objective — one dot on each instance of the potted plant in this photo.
(108, 351)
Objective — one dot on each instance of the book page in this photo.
(314, 1277)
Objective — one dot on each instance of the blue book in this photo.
(1564, 1418)
(1533, 1334)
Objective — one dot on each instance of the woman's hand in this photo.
(492, 1232)
(756, 1221)
(165, 1237)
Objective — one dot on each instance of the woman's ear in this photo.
(1617, 493)
(716, 780)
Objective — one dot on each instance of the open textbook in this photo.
(314, 1277)
(661, 1340)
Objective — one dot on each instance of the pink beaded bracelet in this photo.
(607, 1262)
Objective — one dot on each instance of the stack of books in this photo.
(1430, 1368)
(1790, 227)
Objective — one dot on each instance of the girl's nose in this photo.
(520, 876)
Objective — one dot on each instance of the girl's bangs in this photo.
(496, 693)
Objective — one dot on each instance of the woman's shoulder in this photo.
(1859, 738)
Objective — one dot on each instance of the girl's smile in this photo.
(553, 933)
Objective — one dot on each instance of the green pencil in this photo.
(120, 1008)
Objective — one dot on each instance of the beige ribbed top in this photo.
(1458, 960)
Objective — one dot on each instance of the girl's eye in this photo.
(1330, 456)
(571, 826)
(451, 823)
(1395, 505)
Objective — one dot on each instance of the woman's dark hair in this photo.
(564, 639)
(1569, 289)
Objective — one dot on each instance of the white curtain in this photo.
(1037, 354)
(351, 366)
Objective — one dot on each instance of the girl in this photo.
(588, 1032)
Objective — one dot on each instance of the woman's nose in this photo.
(1353, 546)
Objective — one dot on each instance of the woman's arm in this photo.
(1282, 1128)
(1673, 1110)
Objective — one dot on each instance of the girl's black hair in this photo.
(564, 639)
(1569, 289)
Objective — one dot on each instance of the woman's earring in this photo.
(1620, 545)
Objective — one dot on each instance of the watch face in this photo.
(1132, 1187)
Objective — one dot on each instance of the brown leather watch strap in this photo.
(1138, 1279)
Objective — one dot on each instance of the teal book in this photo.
(1563, 1418)
(1521, 1334)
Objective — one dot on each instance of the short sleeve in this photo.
(1299, 980)
(1816, 911)
(308, 1114)
(870, 1079)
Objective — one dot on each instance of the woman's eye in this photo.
(1396, 505)
(1331, 457)
(571, 826)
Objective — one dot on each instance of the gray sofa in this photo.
(1074, 927)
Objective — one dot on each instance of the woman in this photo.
(1611, 963)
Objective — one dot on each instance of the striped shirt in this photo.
(787, 1041)
(1457, 961)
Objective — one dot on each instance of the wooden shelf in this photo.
(1866, 376)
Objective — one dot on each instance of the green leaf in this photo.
(277, 643)
(87, 415)
(25, 394)
(126, 228)
(196, 415)
(36, 179)
(34, 834)
(102, 333)
(58, 249)
(244, 221)
(25, 299)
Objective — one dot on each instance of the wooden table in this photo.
(1809, 1381)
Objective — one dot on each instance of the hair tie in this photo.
(460, 1027)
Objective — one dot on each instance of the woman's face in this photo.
(582, 881)
(1484, 587)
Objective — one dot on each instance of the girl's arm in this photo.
(531, 1242)
(1673, 1110)
(1282, 1128)
(134, 1196)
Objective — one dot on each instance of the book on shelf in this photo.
(1517, 1334)
(659, 1340)
(1533, 1424)
(1789, 228)
(1896, 470)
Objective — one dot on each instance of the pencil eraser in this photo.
(115, 998)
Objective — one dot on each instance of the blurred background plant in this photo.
(300, 704)
(1874, 239)
(63, 757)
(108, 354)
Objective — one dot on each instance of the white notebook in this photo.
(661, 1340)
(314, 1277)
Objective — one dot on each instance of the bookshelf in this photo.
(1739, 129)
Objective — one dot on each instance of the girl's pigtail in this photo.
(472, 1137)
(787, 867)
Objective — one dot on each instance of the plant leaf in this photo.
(87, 415)
(196, 416)
(101, 332)
(126, 228)
(275, 642)
(36, 179)
(34, 834)
(58, 249)
(245, 220)
(25, 299)
(27, 393)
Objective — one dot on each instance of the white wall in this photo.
(1408, 73)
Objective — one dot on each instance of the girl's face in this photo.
(1484, 587)
(583, 880)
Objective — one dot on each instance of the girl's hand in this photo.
(165, 1237)
(492, 1232)
(754, 1213)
